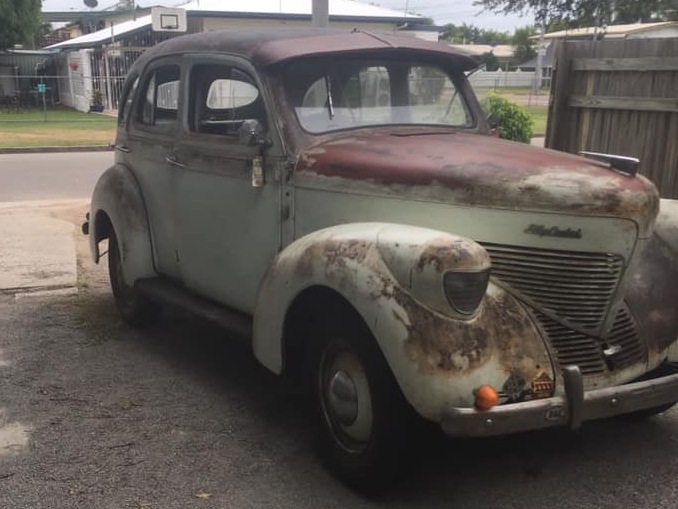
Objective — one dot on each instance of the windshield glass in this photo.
(345, 93)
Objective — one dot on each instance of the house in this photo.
(632, 31)
(95, 64)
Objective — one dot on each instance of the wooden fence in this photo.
(619, 97)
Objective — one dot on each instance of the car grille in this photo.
(577, 349)
(577, 287)
(572, 285)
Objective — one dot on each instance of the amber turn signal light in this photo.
(485, 397)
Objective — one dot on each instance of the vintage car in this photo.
(335, 198)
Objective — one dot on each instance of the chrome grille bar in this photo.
(576, 349)
(573, 285)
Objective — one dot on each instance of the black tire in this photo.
(365, 453)
(136, 310)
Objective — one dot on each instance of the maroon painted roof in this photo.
(270, 46)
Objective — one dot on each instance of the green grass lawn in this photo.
(55, 128)
(64, 127)
(539, 115)
(536, 105)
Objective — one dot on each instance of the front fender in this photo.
(117, 202)
(666, 227)
(652, 294)
(436, 359)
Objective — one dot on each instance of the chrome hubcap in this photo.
(343, 398)
(346, 397)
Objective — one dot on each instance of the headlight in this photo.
(465, 290)
(446, 273)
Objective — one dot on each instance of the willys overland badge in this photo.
(553, 231)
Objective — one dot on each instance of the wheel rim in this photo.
(345, 397)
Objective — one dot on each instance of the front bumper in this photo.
(570, 410)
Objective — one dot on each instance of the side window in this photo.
(222, 98)
(128, 97)
(434, 99)
(160, 106)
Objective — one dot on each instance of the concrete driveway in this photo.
(37, 251)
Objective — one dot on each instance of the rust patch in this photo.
(331, 252)
(480, 170)
(453, 347)
(458, 253)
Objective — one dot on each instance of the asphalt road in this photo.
(50, 176)
(95, 415)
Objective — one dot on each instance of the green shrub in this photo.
(512, 120)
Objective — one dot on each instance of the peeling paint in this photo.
(501, 335)
(453, 348)
(482, 171)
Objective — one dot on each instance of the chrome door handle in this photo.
(172, 159)
(122, 148)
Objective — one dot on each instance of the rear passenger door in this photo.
(153, 129)
(228, 225)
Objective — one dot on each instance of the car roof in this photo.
(270, 46)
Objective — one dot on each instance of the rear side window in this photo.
(160, 105)
(222, 98)
(128, 97)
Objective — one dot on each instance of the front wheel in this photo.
(362, 415)
(136, 310)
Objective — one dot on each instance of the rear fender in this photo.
(117, 203)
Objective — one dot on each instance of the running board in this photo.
(167, 292)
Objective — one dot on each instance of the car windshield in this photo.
(346, 93)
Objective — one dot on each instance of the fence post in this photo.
(556, 129)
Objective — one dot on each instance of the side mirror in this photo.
(251, 132)
(494, 125)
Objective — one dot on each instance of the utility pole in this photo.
(541, 50)
(320, 16)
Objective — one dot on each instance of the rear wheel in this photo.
(137, 310)
(362, 416)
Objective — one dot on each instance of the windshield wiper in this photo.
(330, 102)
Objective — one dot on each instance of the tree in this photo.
(489, 60)
(470, 34)
(19, 21)
(524, 44)
(583, 13)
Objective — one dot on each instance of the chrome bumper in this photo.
(570, 410)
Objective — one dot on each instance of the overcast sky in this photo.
(442, 11)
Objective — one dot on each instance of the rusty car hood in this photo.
(472, 169)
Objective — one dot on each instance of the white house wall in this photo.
(671, 31)
(75, 82)
(221, 23)
(498, 79)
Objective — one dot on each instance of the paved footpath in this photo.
(37, 249)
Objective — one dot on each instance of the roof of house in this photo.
(609, 31)
(268, 46)
(546, 61)
(499, 50)
(337, 8)
(348, 10)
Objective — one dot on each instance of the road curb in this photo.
(38, 150)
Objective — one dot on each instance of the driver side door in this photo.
(228, 220)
